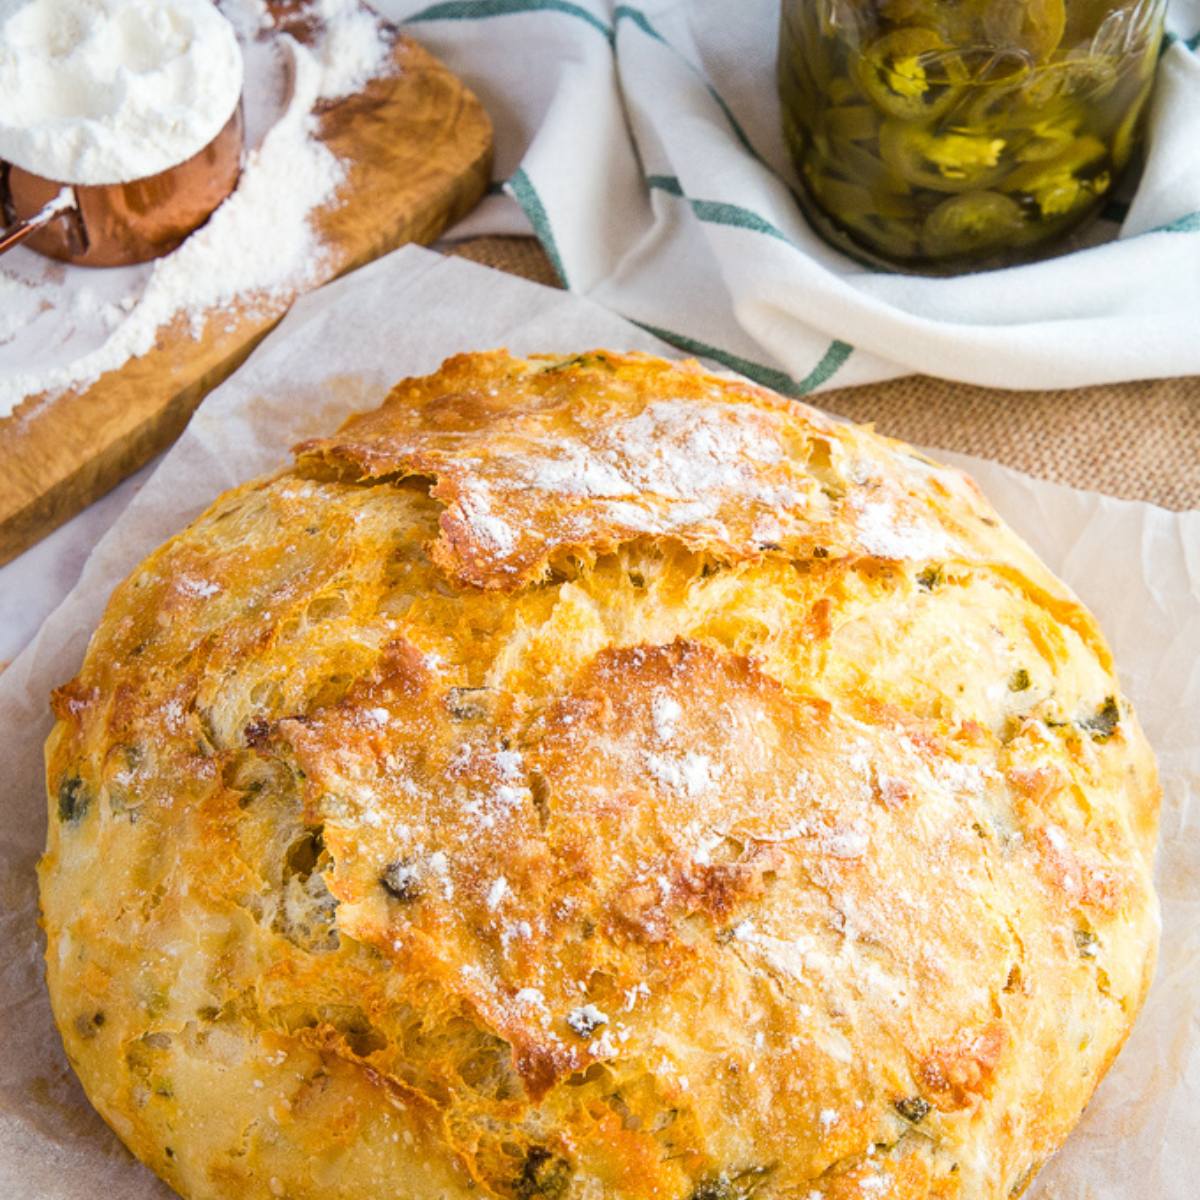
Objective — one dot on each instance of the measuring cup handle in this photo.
(64, 202)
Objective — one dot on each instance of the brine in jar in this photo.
(953, 135)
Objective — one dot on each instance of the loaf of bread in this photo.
(596, 778)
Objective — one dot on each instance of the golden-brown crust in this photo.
(597, 778)
(528, 475)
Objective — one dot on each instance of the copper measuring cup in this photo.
(117, 224)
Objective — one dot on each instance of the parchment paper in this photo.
(1138, 567)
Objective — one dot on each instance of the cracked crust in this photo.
(597, 778)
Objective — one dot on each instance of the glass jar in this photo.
(947, 135)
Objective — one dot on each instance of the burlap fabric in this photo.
(1140, 441)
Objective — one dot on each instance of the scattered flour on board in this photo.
(258, 248)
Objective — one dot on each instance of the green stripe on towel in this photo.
(1188, 224)
(639, 18)
(779, 381)
(664, 183)
(734, 215)
(828, 367)
(717, 212)
(628, 12)
(831, 361)
(470, 10)
(526, 196)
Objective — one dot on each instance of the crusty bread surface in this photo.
(597, 778)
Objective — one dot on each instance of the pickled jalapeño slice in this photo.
(970, 223)
(910, 73)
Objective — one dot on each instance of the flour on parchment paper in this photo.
(63, 327)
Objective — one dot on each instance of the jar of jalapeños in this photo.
(950, 135)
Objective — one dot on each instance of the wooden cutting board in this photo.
(416, 147)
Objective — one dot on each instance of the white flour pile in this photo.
(63, 327)
(106, 91)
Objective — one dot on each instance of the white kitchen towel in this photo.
(641, 143)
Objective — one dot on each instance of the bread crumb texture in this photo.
(597, 778)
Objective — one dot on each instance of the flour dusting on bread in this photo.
(594, 778)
